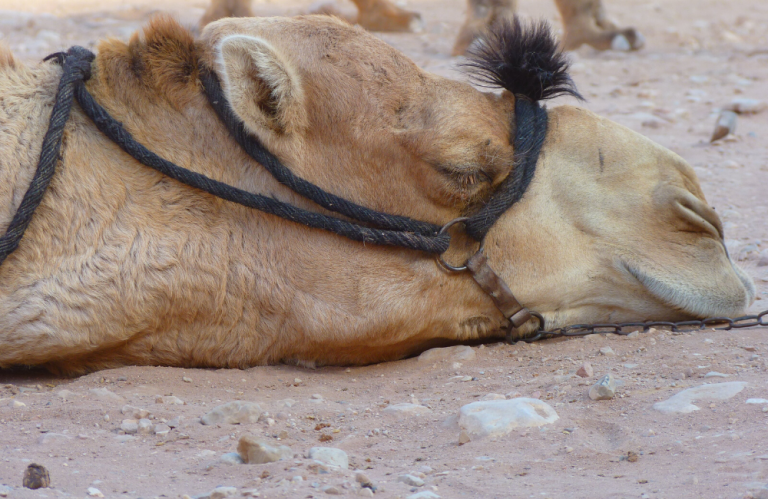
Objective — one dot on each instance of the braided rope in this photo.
(76, 68)
(329, 201)
(531, 131)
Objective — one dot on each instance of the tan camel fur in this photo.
(374, 15)
(121, 265)
(584, 22)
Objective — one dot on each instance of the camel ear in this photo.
(261, 85)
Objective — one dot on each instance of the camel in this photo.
(124, 266)
(584, 21)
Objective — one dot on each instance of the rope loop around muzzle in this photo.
(76, 68)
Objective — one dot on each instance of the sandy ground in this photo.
(700, 55)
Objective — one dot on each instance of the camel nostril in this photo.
(699, 214)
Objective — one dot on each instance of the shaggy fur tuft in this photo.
(526, 60)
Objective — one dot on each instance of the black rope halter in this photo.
(381, 228)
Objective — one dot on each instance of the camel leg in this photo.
(383, 15)
(226, 8)
(585, 21)
(481, 14)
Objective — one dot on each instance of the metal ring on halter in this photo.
(447, 266)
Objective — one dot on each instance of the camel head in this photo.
(613, 226)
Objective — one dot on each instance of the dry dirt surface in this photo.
(700, 55)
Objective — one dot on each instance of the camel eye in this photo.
(471, 180)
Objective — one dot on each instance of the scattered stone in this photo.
(460, 353)
(106, 395)
(135, 412)
(5, 490)
(632, 457)
(715, 374)
(362, 479)
(406, 409)
(330, 456)
(493, 396)
(168, 399)
(757, 401)
(682, 402)
(365, 492)
(66, 395)
(175, 422)
(604, 389)
(232, 458)
(144, 426)
(219, 493)
(17, 405)
(411, 480)
(607, 351)
(94, 492)
(424, 494)
(236, 412)
(586, 371)
(649, 120)
(464, 437)
(255, 451)
(743, 105)
(161, 430)
(331, 490)
(130, 426)
(726, 125)
(633, 335)
(286, 403)
(49, 438)
(186, 380)
(36, 477)
(499, 417)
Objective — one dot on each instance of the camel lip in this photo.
(686, 305)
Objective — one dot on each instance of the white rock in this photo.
(365, 492)
(411, 480)
(330, 456)
(406, 409)
(231, 458)
(236, 412)
(459, 353)
(222, 492)
(130, 426)
(424, 494)
(604, 389)
(94, 492)
(255, 451)
(161, 429)
(134, 412)
(743, 105)
(144, 426)
(715, 374)
(499, 417)
(5, 490)
(682, 402)
(17, 404)
(106, 395)
(607, 351)
(757, 401)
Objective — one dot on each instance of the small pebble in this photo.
(94, 492)
(411, 480)
(726, 125)
(130, 426)
(607, 351)
(332, 490)
(604, 389)
(365, 492)
(463, 437)
(585, 371)
(36, 477)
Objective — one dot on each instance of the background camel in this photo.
(584, 21)
(123, 266)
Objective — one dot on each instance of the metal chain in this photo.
(624, 328)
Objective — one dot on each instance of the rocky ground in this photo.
(407, 429)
